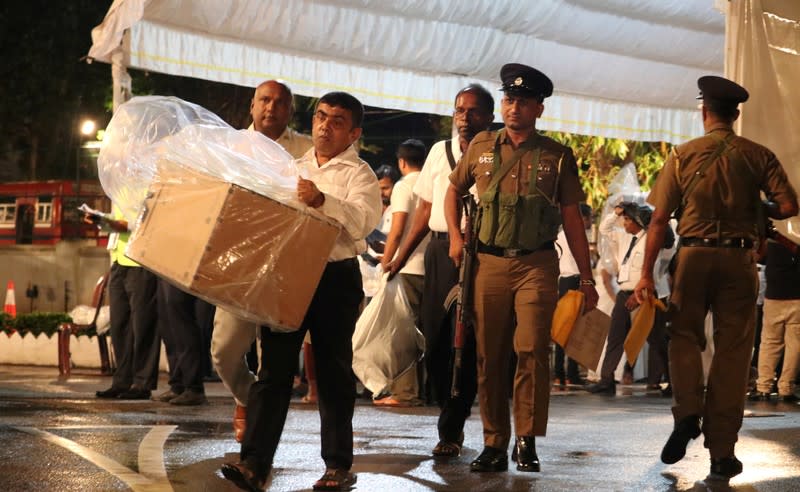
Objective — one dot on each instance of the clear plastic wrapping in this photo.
(147, 132)
(214, 210)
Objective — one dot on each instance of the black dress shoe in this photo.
(135, 393)
(725, 468)
(525, 454)
(790, 398)
(756, 395)
(245, 477)
(490, 460)
(111, 392)
(686, 429)
(603, 388)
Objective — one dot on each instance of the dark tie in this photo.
(630, 248)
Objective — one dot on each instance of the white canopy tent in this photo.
(621, 68)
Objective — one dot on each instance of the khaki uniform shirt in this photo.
(725, 200)
(557, 177)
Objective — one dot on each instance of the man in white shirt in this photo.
(343, 187)
(473, 113)
(410, 159)
(628, 249)
(271, 108)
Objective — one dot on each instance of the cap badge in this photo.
(518, 81)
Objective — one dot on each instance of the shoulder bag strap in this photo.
(449, 151)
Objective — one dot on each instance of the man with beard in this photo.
(473, 113)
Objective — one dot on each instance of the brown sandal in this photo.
(338, 479)
(447, 449)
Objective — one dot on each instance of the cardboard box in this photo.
(250, 254)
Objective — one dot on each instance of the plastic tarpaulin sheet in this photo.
(621, 68)
(763, 54)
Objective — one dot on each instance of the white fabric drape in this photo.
(763, 54)
(621, 68)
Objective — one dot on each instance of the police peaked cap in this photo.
(721, 89)
(525, 81)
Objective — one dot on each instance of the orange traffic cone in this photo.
(10, 307)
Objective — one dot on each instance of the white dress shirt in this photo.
(405, 201)
(433, 181)
(295, 143)
(566, 262)
(629, 273)
(352, 198)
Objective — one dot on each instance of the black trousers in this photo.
(182, 320)
(331, 318)
(658, 353)
(620, 326)
(134, 333)
(573, 374)
(438, 326)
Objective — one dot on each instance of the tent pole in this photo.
(121, 80)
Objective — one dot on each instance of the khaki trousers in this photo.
(406, 388)
(514, 303)
(230, 342)
(724, 281)
(780, 334)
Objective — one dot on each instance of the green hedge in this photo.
(36, 323)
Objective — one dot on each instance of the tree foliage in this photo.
(600, 159)
(46, 88)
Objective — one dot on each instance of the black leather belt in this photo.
(443, 236)
(512, 253)
(735, 242)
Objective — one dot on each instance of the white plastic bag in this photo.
(386, 343)
(83, 315)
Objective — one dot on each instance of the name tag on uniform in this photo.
(486, 158)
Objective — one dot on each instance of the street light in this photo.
(87, 127)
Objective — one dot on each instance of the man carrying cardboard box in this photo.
(343, 187)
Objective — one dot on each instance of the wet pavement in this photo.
(55, 435)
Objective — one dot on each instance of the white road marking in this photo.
(151, 452)
(153, 477)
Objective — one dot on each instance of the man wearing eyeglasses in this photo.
(340, 185)
(473, 113)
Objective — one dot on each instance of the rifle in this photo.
(465, 312)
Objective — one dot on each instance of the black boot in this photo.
(490, 460)
(525, 454)
(725, 468)
(686, 429)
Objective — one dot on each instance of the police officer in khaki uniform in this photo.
(527, 184)
(713, 183)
